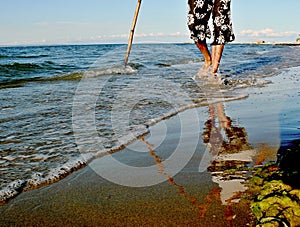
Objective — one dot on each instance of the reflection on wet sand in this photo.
(181, 191)
(227, 153)
(213, 197)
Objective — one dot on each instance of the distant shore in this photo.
(138, 43)
(262, 42)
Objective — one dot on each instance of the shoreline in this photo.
(85, 198)
(142, 43)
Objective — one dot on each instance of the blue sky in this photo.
(27, 22)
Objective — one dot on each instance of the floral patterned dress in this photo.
(199, 14)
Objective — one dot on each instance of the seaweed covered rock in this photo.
(274, 202)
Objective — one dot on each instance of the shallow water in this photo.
(59, 102)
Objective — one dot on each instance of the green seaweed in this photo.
(274, 203)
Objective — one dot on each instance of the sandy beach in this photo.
(192, 197)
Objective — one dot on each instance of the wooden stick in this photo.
(132, 31)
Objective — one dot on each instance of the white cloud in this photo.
(145, 37)
(267, 32)
(107, 38)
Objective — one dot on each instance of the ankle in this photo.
(207, 64)
(215, 69)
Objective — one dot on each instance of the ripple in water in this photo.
(37, 92)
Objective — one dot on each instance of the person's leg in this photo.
(206, 54)
(223, 33)
(217, 51)
(224, 121)
(198, 17)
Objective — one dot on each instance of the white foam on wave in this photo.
(112, 70)
(12, 190)
(96, 72)
(249, 82)
(38, 179)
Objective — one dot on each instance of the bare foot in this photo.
(204, 71)
(212, 78)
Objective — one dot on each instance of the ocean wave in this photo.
(38, 180)
(243, 73)
(17, 68)
(24, 56)
(255, 52)
(20, 66)
(31, 56)
(4, 56)
(113, 70)
(183, 61)
(92, 73)
(12, 83)
(237, 83)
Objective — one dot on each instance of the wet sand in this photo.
(190, 197)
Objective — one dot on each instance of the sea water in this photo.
(62, 106)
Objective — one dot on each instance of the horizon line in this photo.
(136, 43)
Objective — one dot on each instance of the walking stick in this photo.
(132, 31)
